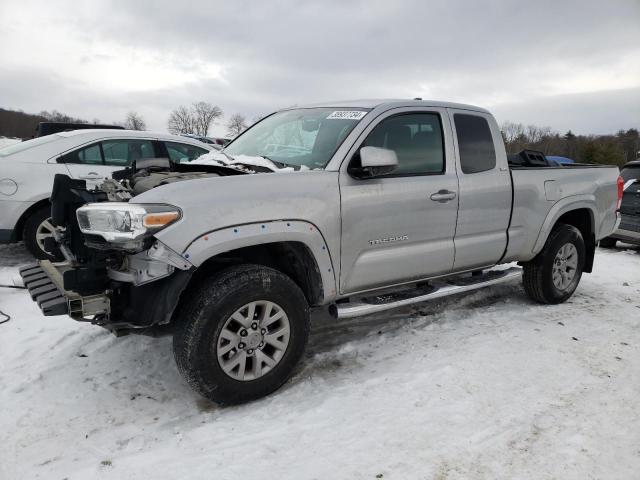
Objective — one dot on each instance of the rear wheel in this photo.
(241, 334)
(37, 229)
(553, 275)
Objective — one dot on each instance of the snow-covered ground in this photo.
(483, 386)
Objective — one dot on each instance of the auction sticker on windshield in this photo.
(347, 115)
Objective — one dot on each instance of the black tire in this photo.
(608, 242)
(29, 235)
(538, 273)
(200, 320)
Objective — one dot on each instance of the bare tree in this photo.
(511, 131)
(203, 115)
(181, 121)
(134, 121)
(236, 124)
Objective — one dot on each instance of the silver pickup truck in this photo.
(357, 207)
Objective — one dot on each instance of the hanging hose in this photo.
(2, 314)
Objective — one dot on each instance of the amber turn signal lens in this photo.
(154, 220)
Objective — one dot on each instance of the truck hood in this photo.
(210, 204)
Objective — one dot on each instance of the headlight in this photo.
(125, 223)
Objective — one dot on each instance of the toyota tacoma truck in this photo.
(356, 207)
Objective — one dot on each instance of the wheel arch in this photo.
(296, 248)
(581, 215)
(19, 228)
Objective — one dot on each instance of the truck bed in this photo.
(541, 192)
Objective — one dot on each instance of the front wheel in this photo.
(553, 275)
(241, 333)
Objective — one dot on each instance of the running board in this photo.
(367, 306)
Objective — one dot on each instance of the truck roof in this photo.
(393, 103)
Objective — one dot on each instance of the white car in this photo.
(27, 170)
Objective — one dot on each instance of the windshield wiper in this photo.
(278, 163)
(227, 155)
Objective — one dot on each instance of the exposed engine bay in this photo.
(108, 245)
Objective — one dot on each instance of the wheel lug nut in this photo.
(250, 351)
(254, 325)
(261, 344)
(263, 331)
(241, 345)
(243, 333)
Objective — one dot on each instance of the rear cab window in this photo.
(475, 143)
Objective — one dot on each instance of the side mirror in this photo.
(377, 161)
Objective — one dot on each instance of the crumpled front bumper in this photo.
(43, 290)
(120, 306)
(44, 281)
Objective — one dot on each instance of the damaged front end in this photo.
(116, 273)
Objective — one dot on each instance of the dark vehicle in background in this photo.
(218, 143)
(629, 229)
(47, 128)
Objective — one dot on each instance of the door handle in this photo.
(443, 196)
(90, 175)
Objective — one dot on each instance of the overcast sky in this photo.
(565, 64)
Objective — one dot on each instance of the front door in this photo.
(400, 227)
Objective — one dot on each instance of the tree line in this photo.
(615, 149)
(18, 124)
(196, 119)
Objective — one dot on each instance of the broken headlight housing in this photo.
(125, 225)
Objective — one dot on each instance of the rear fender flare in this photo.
(215, 242)
(565, 205)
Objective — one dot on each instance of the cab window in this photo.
(417, 140)
(475, 143)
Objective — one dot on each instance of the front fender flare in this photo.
(219, 241)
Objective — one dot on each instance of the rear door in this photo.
(485, 190)
(87, 164)
(400, 227)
